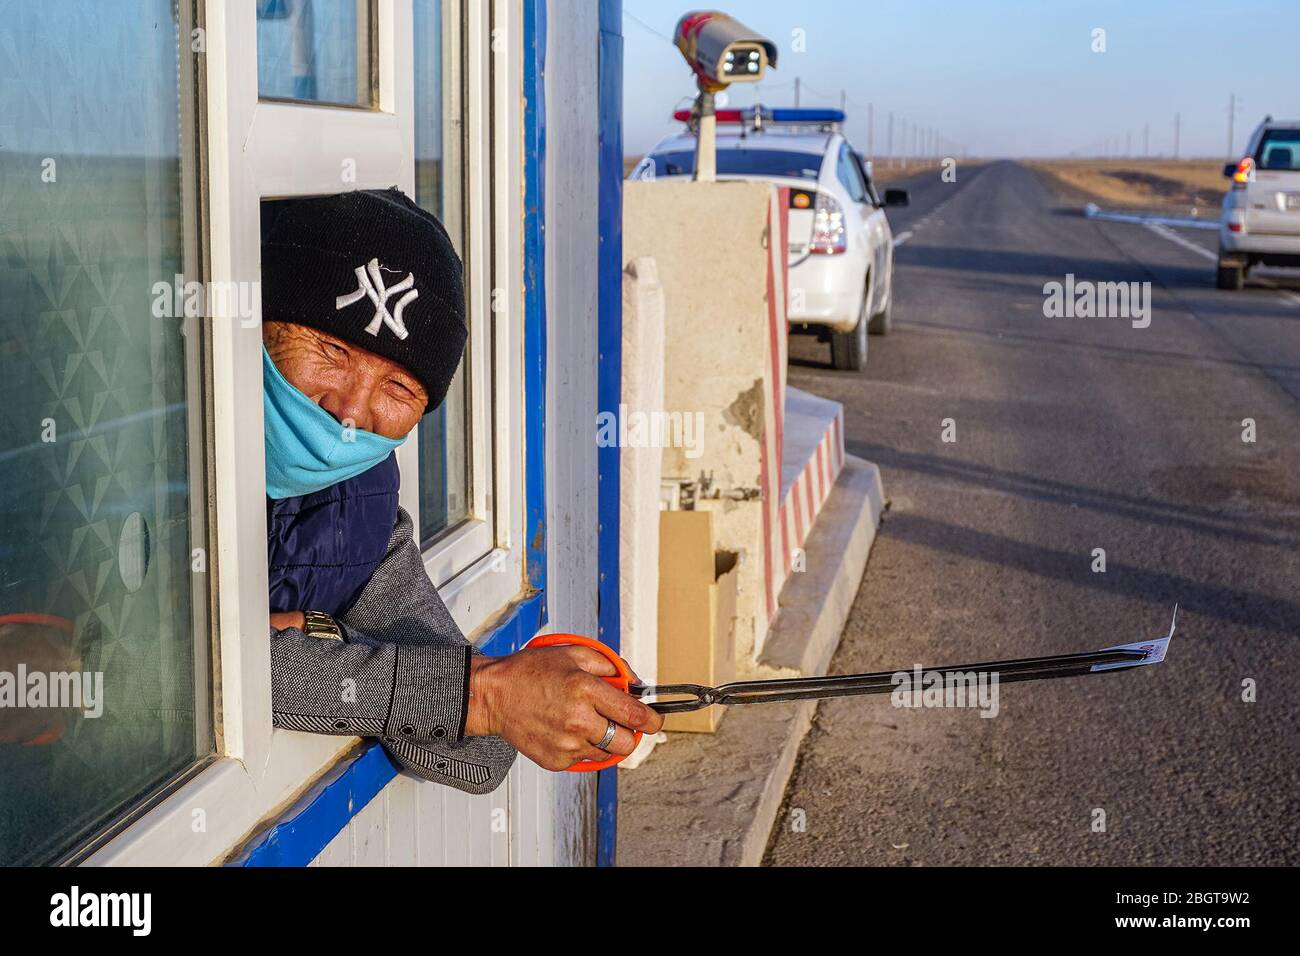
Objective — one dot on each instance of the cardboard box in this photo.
(697, 612)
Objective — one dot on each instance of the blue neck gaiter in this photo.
(306, 448)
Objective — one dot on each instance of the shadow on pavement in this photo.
(1143, 509)
(1212, 600)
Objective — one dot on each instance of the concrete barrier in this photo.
(723, 281)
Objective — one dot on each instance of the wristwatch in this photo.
(319, 624)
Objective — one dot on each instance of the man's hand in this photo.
(551, 705)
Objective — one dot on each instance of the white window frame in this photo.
(271, 149)
(478, 564)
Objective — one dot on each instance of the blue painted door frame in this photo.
(610, 373)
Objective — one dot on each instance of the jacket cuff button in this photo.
(440, 731)
(407, 730)
(441, 765)
(340, 724)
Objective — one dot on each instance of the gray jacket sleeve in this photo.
(401, 674)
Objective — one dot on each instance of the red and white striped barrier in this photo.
(806, 435)
(802, 499)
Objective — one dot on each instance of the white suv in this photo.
(1261, 213)
(841, 250)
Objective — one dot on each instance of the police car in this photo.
(841, 250)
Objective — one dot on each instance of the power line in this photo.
(815, 91)
(645, 26)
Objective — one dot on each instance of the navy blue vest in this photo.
(323, 547)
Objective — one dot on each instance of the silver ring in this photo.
(609, 736)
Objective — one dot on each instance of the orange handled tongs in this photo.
(690, 697)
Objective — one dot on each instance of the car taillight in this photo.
(828, 235)
(1245, 173)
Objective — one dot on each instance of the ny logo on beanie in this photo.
(370, 284)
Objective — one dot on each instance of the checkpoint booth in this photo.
(141, 142)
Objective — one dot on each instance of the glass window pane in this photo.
(316, 50)
(102, 572)
(444, 462)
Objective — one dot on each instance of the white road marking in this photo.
(1162, 230)
(902, 237)
(1214, 257)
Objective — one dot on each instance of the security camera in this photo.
(721, 49)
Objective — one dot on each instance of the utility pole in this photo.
(796, 92)
(1146, 141)
(902, 141)
(889, 140)
(844, 101)
(1128, 143)
(1177, 120)
(1232, 114)
(871, 132)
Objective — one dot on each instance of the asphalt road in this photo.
(1071, 434)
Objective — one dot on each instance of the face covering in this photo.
(306, 447)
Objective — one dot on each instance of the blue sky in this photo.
(1002, 77)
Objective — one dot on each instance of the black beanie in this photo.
(374, 269)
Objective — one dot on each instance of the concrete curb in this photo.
(712, 799)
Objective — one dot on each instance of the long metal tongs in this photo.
(696, 696)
